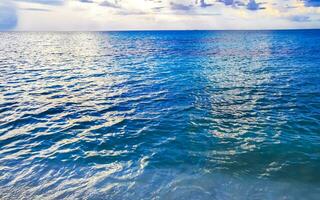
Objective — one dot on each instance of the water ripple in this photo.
(160, 115)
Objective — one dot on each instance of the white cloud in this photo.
(165, 14)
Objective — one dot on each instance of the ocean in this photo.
(160, 115)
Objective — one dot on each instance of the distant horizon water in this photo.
(164, 30)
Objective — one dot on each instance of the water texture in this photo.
(160, 115)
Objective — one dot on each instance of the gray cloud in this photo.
(300, 18)
(110, 4)
(86, 1)
(203, 3)
(38, 9)
(227, 2)
(159, 8)
(252, 5)
(178, 6)
(233, 3)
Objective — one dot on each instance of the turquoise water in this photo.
(160, 115)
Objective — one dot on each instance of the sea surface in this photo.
(160, 115)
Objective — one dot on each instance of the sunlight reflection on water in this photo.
(160, 115)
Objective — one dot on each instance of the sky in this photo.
(104, 15)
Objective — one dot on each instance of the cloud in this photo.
(47, 2)
(227, 2)
(124, 13)
(37, 9)
(182, 7)
(233, 3)
(203, 4)
(8, 16)
(110, 4)
(86, 1)
(173, 14)
(300, 18)
(252, 5)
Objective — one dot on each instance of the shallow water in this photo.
(160, 115)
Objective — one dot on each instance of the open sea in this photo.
(160, 115)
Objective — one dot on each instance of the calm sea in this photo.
(160, 115)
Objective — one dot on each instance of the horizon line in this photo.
(164, 30)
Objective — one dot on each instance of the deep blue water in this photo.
(160, 115)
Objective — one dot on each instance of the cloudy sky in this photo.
(94, 15)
